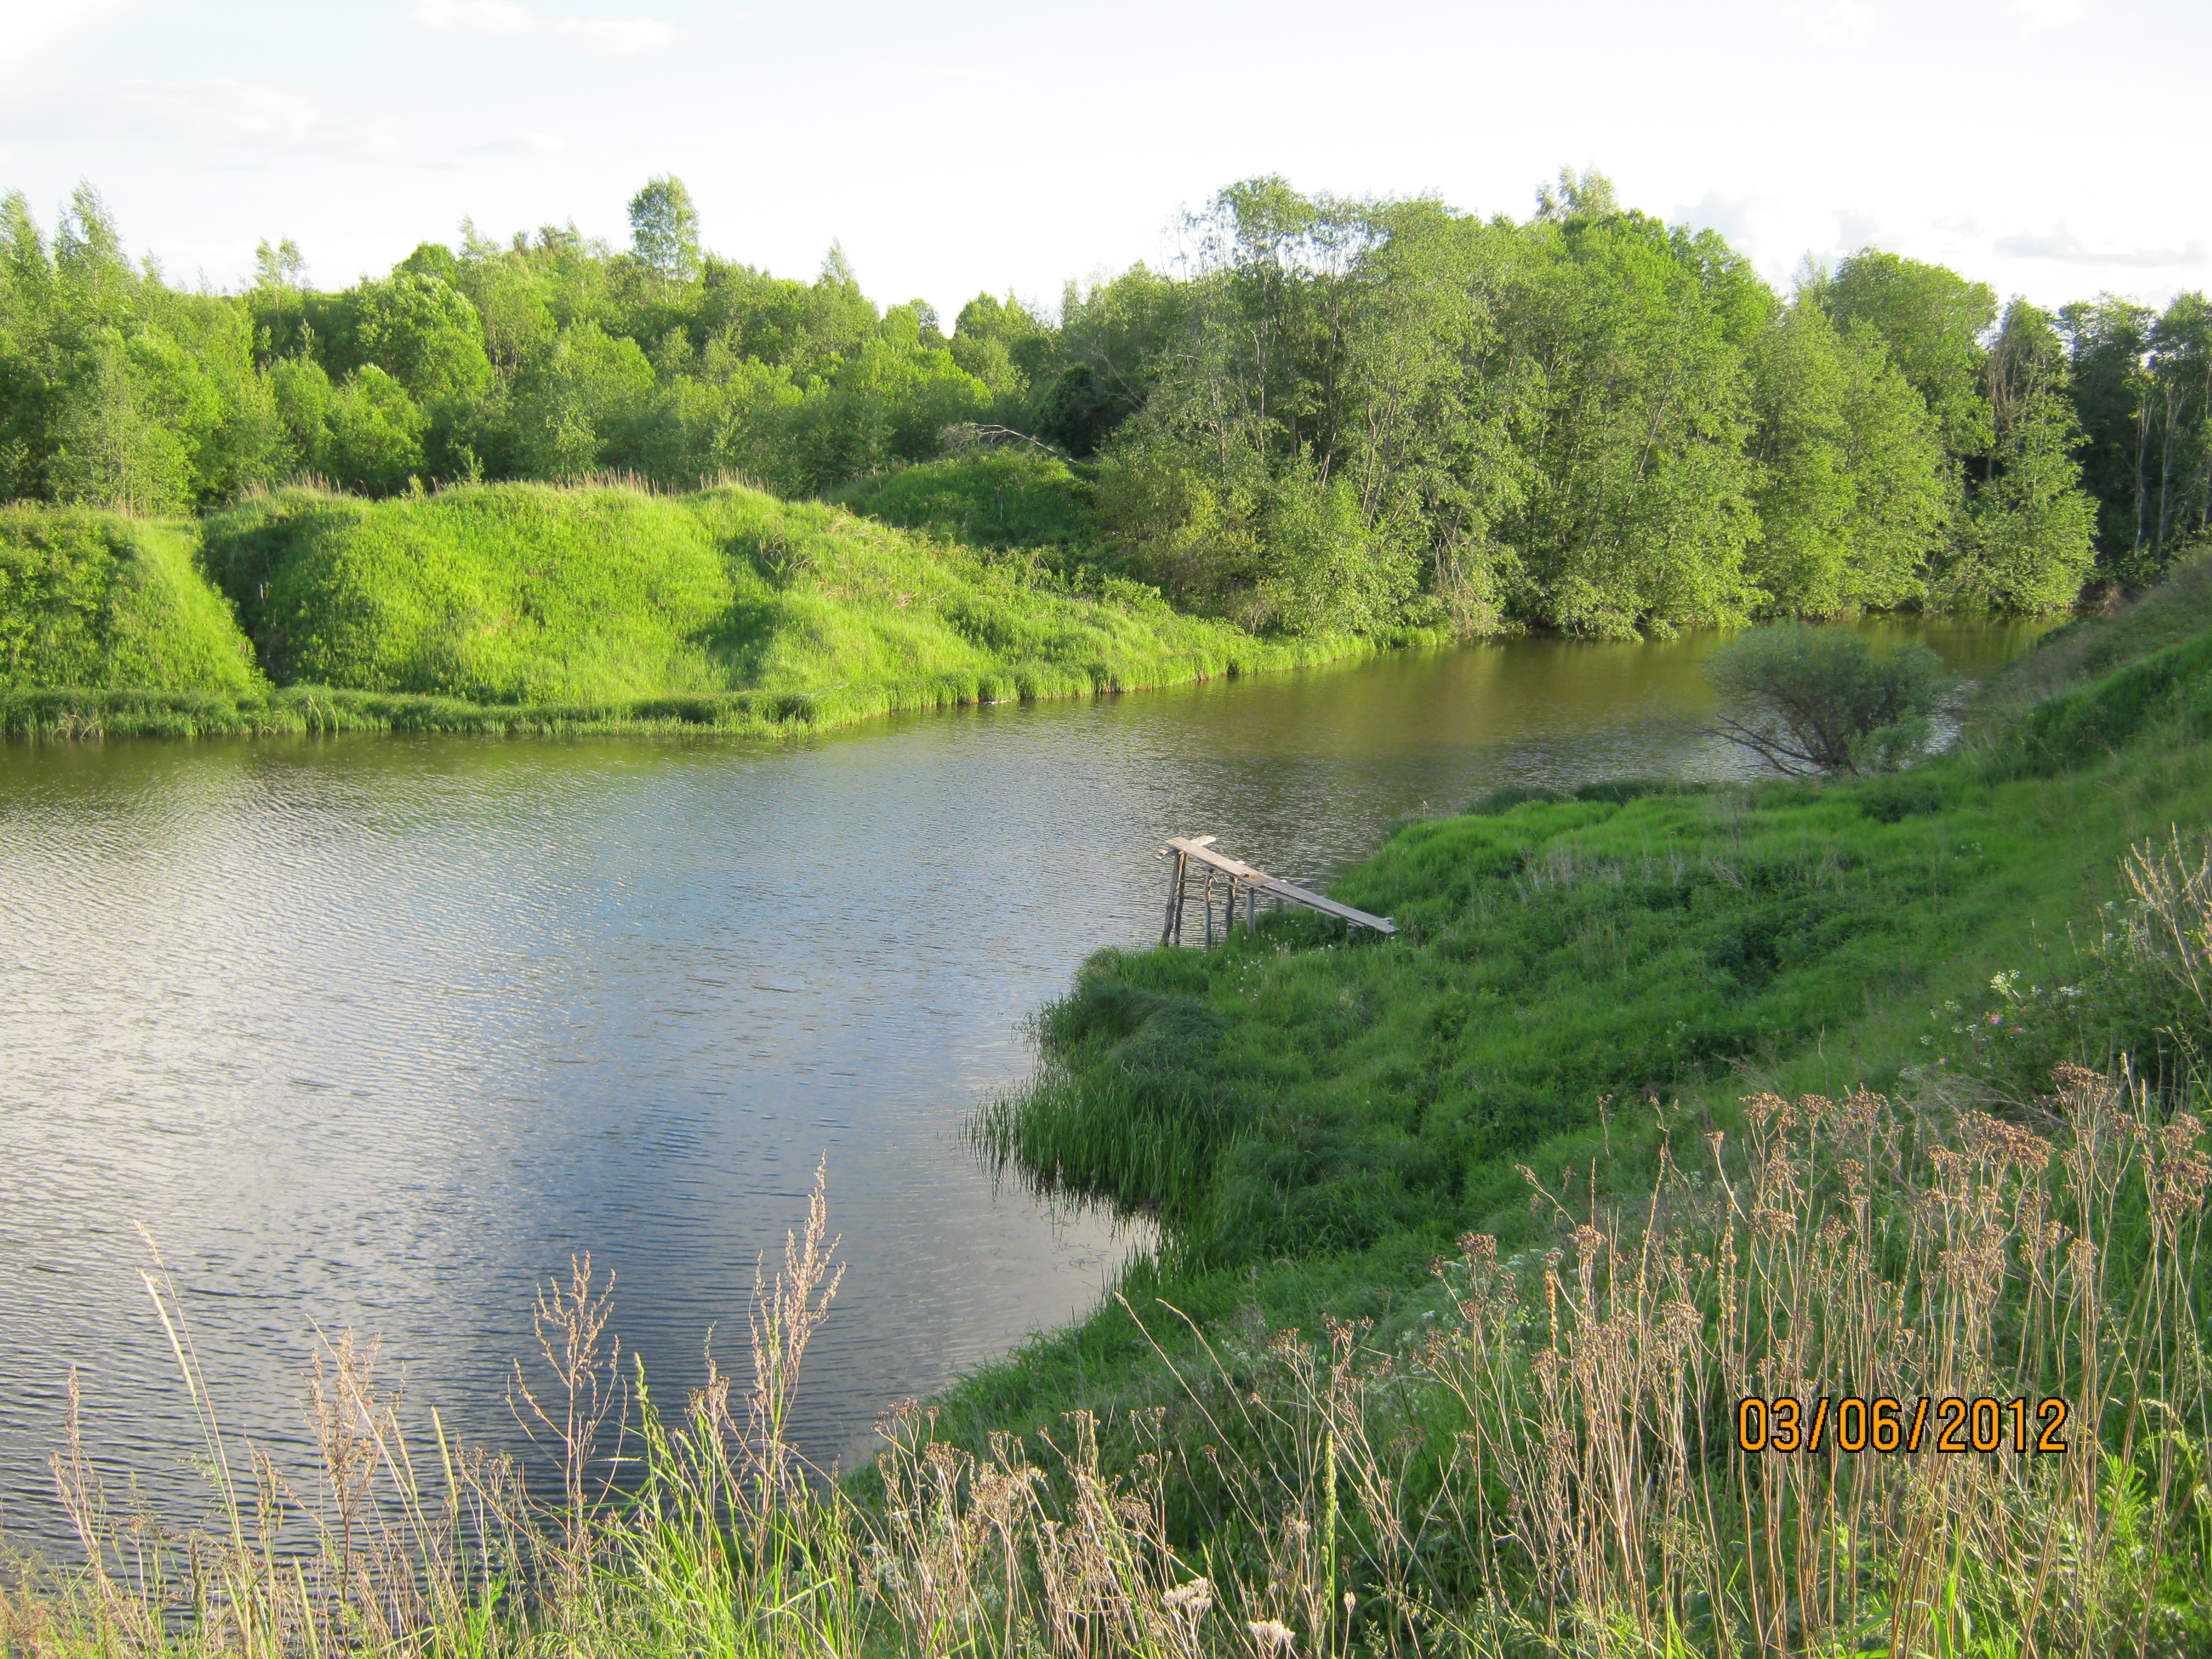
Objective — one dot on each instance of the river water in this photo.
(373, 1033)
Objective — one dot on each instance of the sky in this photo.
(2054, 149)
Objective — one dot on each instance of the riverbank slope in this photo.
(1299, 1096)
(513, 608)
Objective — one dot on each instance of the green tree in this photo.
(1108, 353)
(373, 441)
(582, 406)
(999, 342)
(1638, 507)
(1174, 522)
(229, 417)
(425, 334)
(305, 400)
(1932, 320)
(2025, 544)
(96, 288)
(1588, 195)
(2179, 509)
(663, 230)
(886, 404)
(1854, 499)
(116, 439)
(2108, 343)
(28, 357)
(1327, 568)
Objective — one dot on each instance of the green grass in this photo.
(1295, 1094)
(1002, 498)
(99, 600)
(532, 607)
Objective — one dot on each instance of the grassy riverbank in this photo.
(1543, 1087)
(521, 608)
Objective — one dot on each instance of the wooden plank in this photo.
(1328, 907)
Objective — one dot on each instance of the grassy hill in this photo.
(95, 599)
(532, 607)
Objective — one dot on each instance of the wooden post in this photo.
(1175, 900)
(1209, 909)
(1183, 878)
(1251, 910)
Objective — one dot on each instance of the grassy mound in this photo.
(97, 600)
(2083, 651)
(1292, 1094)
(505, 594)
(1002, 498)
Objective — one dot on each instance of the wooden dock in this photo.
(1245, 884)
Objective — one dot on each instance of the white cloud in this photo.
(2049, 13)
(623, 37)
(1842, 23)
(218, 123)
(2063, 244)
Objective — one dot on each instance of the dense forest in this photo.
(1338, 414)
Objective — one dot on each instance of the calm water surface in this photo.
(374, 1032)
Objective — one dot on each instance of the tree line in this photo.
(1337, 413)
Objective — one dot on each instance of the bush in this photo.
(996, 498)
(1817, 700)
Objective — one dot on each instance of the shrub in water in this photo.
(1817, 700)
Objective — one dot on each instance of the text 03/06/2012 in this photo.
(1853, 1423)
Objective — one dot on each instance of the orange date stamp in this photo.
(1882, 1424)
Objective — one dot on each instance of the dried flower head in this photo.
(1190, 1600)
